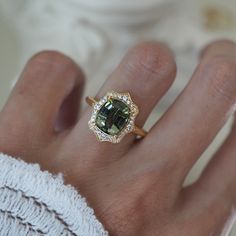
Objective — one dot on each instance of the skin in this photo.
(134, 187)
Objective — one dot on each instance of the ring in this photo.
(113, 117)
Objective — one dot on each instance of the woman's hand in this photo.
(134, 187)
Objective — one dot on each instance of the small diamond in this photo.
(90, 124)
(97, 106)
(129, 127)
(131, 122)
(103, 100)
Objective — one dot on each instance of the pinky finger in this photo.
(213, 197)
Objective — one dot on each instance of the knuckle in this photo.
(52, 64)
(151, 59)
(222, 41)
(51, 68)
(222, 77)
(51, 57)
(219, 46)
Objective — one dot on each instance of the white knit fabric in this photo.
(35, 202)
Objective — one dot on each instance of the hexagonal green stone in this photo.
(113, 116)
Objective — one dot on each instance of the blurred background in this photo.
(96, 34)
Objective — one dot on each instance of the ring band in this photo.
(113, 117)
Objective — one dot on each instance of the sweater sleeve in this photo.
(35, 202)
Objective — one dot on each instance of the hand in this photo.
(134, 187)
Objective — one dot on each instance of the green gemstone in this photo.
(113, 117)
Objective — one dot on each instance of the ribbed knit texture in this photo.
(35, 202)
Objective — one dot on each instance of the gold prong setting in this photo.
(123, 97)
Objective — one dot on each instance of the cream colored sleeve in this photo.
(35, 202)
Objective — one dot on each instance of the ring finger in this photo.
(146, 72)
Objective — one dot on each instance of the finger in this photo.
(205, 214)
(69, 110)
(217, 182)
(193, 121)
(220, 172)
(48, 79)
(146, 72)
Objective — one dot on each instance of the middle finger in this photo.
(191, 124)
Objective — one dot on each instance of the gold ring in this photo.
(113, 117)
